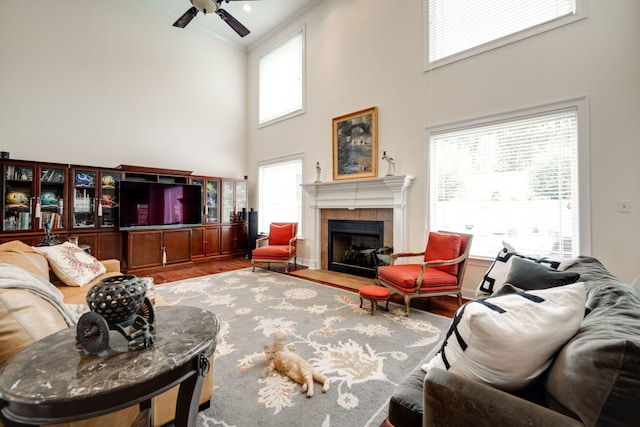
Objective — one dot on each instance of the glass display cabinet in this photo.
(49, 209)
(33, 196)
(94, 198)
(109, 199)
(211, 201)
(227, 210)
(18, 197)
(234, 200)
(83, 206)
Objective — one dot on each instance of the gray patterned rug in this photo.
(363, 356)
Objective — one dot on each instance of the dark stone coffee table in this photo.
(55, 381)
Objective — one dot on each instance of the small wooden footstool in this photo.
(374, 294)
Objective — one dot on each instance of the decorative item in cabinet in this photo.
(84, 197)
(49, 210)
(109, 199)
(17, 200)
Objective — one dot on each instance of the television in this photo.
(159, 205)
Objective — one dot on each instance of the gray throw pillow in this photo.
(529, 275)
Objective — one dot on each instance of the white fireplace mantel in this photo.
(382, 192)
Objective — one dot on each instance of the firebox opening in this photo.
(353, 246)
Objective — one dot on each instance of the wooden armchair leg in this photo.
(253, 265)
(407, 301)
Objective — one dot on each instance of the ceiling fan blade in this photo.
(233, 22)
(186, 18)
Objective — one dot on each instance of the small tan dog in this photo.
(290, 363)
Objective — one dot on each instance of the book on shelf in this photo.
(19, 173)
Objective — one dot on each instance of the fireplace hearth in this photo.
(354, 246)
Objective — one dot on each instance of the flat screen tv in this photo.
(159, 205)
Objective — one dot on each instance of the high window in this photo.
(280, 192)
(520, 177)
(281, 80)
(461, 28)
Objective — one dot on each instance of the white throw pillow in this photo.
(508, 341)
(496, 275)
(71, 264)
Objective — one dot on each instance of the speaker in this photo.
(253, 231)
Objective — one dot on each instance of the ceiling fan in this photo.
(212, 6)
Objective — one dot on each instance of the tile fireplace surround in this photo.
(381, 199)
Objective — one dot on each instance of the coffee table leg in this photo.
(188, 399)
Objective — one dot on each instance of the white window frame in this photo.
(263, 222)
(294, 110)
(580, 13)
(581, 106)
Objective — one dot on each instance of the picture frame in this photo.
(355, 145)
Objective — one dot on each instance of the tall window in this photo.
(280, 192)
(519, 178)
(462, 28)
(281, 80)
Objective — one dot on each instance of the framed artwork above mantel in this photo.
(355, 145)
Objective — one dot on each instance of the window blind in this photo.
(280, 193)
(515, 180)
(280, 85)
(460, 25)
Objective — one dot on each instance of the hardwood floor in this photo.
(444, 306)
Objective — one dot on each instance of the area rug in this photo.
(365, 357)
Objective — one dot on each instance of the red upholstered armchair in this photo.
(278, 246)
(440, 272)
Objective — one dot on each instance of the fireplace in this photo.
(353, 246)
(377, 199)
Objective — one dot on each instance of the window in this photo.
(519, 178)
(461, 28)
(280, 80)
(280, 192)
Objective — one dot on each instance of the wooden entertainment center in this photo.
(83, 202)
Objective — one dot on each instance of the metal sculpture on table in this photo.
(117, 303)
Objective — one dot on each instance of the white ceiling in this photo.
(265, 15)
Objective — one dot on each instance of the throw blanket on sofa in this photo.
(13, 277)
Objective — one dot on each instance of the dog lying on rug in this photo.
(288, 362)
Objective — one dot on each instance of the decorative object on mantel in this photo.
(118, 303)
(391, 164)
(318, 172)
(355, 145)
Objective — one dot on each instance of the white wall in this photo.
(112, 82)
(362, 53)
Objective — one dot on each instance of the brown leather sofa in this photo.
(26, 318)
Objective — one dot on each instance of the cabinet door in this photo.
(228, 239)
(109, 203)
(234, 238)
(241, 199)
(228, 203)
(109, 246)
(197, 242)
(212, 241)
(83, 205)
(17, 197)
(242, 238)
(49, 211)
(177, 246)
(144, 249)
(211, 201)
